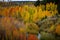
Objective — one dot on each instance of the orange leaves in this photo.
(47, 13)
(58, 29)
(5, 12)
(8, 11)
(32, 37)
(20, 9)
(12, 9)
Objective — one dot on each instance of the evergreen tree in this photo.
(37, 3)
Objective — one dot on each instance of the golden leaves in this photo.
(34, 13)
